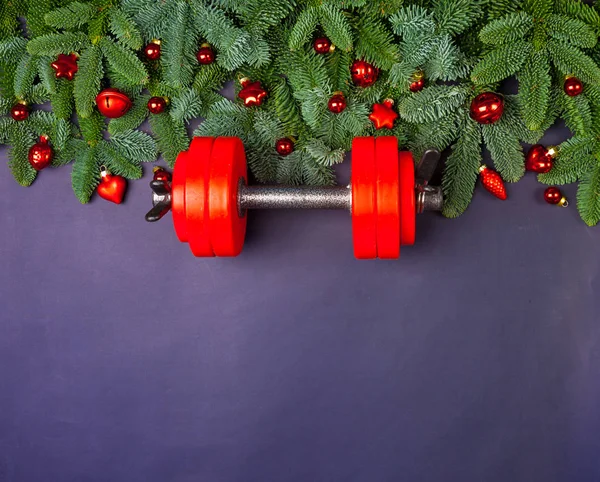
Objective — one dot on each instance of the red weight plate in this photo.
(408, 210)
(364, 213)
(196, 196)
(227, 168)
(178, 197)
(388, 198)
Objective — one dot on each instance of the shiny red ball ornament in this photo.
(152, 50)
(252, 93)
(363, 73)
(552, 195)
(573, 86)
(113, 103)
(41, 154)
(161, 174)
(487, 108)
(383, 114)
(65, 66)
(337, 103)
(284, 146)
(539, 159)
(111, 187)
(417, 85)
(206, 55)
(19, 111)
(157, 105)
(493, 182)
(322, 45)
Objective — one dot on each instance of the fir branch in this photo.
(133, 119)
(137, 146)
(125, 29)
(573, 161)
(374, 43)
(186, 105)
(506, 151)
(117, 163)
(171, 136)
(21, 141)
(336, 26)
(455, 16)
(85, 175)
(571, 31)
(577, 114)
(25, 76)
(91, 128)
(534, 89)
(432, 103)
(323, 154)
(46, 74)
(70, 17)
(87, 80)
(512, 27)
(57, 43)
(412, 21)
(62, 99)
(501, 63)
(588, 195)
(303, 28)
(12, 48)
(124, 62)
(572, 61)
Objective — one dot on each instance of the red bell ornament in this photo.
(337, 103)
(111, 187)
(363, 73)
(487, 108)
(284, 146)
(152, 50)
(252, 93)
(323, 45)
(41, 154)
(552, 195)
(573, 86)
(65, 66)
(20, 111)
(113, 103)
(206, 55)
(493, 182)
(157, 105)
(539, 159)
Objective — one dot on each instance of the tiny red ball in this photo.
(152, 51)
(417, 85)
(573, 86)
(206, 55)
(552, 195)
(322, 45)
(19, 112)
(157, 105)
(487, 108)
(284, 146)
(337, 103)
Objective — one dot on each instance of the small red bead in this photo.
(322, 45)
(284, 146)
(552, 195)
(157, 105)
(573, 86)
(337, 103)
(19, 112)
(152, 51)
(206, 55)
(417, 85)
(162, 175)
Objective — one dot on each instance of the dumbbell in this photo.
(209, 196)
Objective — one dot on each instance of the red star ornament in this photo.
(65, 66)
(252, 93)
(383, 115)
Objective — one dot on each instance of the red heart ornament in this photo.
(112, 188)
(538, 159)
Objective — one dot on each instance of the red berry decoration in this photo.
(383, 114)
(552, 195)
(487, 108)
(113, 103)
(157, 105)
(41, 154)
(573, 86)
(322, 45)
(65, 66)
(152, 50)
(161, 174)
(19, 111)
(418, 82)
(252, 93)
(539, 159)
(337, 103)
(284, 146)
(492, 181)
(111, 187)
(363, 73)
(206, 55)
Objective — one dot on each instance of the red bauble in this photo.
(322, 45)
(65, 66)
(487, 108)
(206, 55)
(157, 105)
(152, 50)
(111, 187)
(492, 181)
(573, 86)
(19, 111)
(539, 159)
(41, 154)
(552, 195)
(417, 85)
(113, 103)
(284, 146)
(383, 114)
(252, 93)
(337, 103)
(363, 73)
(161, 175)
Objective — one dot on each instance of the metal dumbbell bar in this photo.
(209, 196)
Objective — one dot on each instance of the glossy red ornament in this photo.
(363, 73)
(113, 103)
(573, 86)
(552, 195)
(41, 154)
(65, 66)
(284, 146)
(206, 55)
(161, 174)
(337, 103)
(487, 108)
(383, 114)
(157, 105)
(111, 187)
(493, 182)
(252, 93)
(417, 85)
(322, 45)
(19, 111)
(539, 159)
(152, 50)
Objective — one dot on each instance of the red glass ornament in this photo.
(487, 108)
(322, 45)
(19, 111)
(206, 55)
(157, 105)
(152, 50)
(252, 93)
(363, 73)
(111, 187)
(552, 195)
(573, 86)
(539, 159)
(65, 66)
(383, 114)
(337, 103)
(41, 154)
(113, 103)
(161, 175)
(493, 182)
(284, 146)
(417, 85)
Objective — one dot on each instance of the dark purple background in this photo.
(122, 358)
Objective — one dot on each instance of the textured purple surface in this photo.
(122, 358)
